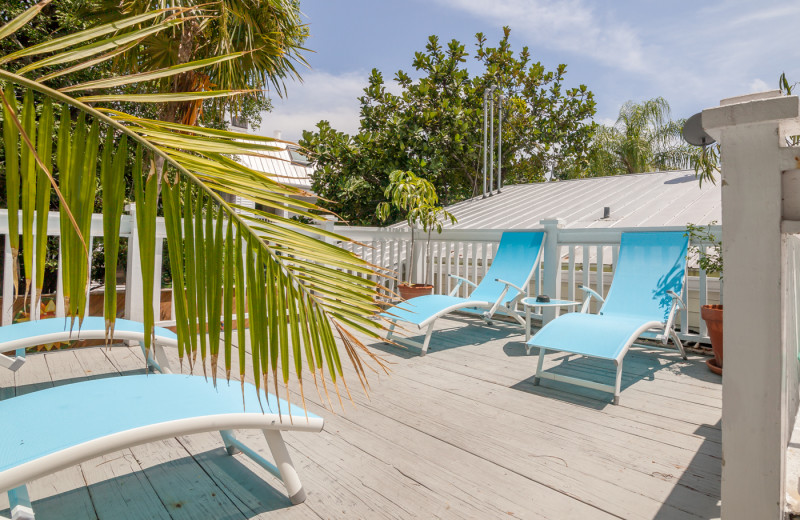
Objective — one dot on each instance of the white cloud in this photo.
(692, 56)
(321, 96)
(758, 85)
(569, 25)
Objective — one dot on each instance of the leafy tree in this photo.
(644, 139)
(417, 198)
(434, 127)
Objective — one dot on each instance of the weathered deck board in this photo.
(460, 433)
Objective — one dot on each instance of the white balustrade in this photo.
(127, 231)
(588, 256)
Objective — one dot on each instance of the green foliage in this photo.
(707, 247)
(434, 127)
(643, 139)
(297, 286)
(706, 163)
(416, 197)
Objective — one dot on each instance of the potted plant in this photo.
(710, 262)
(417, 198)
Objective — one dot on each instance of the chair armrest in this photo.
(460, 281)
(521, 291)
(589, 294)
(677, 299)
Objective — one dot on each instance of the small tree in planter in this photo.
(710, 262)
(416, 197)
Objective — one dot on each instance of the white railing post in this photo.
(419, 257)
(134, 307)
(551, 263)
(755, 418)
(326, 223)
(8, 284)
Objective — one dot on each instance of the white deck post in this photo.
(420, 261)
(134, 309)
(551, 282)
(750, 130)
(8, 285)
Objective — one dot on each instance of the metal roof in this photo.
(279, 163)
(671, 198)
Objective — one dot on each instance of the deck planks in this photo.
(460, 433)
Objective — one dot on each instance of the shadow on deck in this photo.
(459, 433)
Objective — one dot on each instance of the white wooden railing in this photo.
(133, 305)
(468, 253)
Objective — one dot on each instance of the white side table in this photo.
(531, 302)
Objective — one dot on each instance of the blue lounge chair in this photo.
(504, 285)
(19, 336)
(101, 416)
(643, 300)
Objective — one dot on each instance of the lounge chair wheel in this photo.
(231, 450)
(536, 381)
(616, 399)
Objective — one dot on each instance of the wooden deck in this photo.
(460, 433)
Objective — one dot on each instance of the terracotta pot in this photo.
(408, 291)
(712, 314)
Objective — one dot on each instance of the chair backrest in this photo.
(514, 261)
(649, 265)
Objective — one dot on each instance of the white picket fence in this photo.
(468, 253)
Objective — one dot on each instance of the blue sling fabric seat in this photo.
(101, 416)
(644, 297)
(500, 290)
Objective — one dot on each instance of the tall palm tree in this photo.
(269, 32)
(297, 290)
(644, 138)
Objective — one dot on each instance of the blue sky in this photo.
(692, 53)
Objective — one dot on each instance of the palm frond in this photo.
(295, 289)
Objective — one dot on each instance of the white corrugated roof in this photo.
(638, 200)
(279, 163)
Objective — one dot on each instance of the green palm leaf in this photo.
(162, 98)
(296, 290)
(150, 76)
(18, 22)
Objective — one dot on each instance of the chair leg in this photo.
(678, 342)
(391, 330)
(539, 365)
(157, 359)
(528, 326)
(618, 383)
(162, 359)
(427, 339)
(284, 463)
(229, 439)
(283, 467)
(20, 504)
